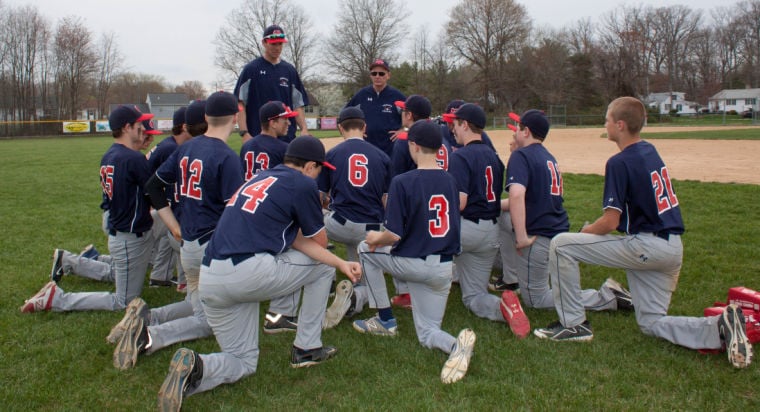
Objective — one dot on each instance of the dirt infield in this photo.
(585, 151)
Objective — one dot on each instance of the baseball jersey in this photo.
(423, 210)
(360, 179)
(261, 153)
(479, 173)
(156, 157)
(264, 216)
(208, 174)
(448, 137)
(637, 183)
(123, 174)
(380, 113)
(536, 169)
(261, 82)
(402, 162)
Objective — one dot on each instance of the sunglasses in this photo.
(275, 36)
(381, 74)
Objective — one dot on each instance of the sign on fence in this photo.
(76, 127)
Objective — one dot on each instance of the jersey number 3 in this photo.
(439, 226)
(663, 191)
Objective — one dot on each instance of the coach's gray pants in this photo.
(231, 295)
(429, 282)
(652, 266)
(480, 244)
(131, 256)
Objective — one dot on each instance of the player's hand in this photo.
(353, 270)
(393, 135)
(372, 239)
(523, 243)
(177, 234)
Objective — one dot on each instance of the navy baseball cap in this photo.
(196, 113)
(150, 128)
(179, 116)
(416, 104)
(274, 109)
(310, 148)
(350, 112)
(425, 133)
(473, 113)
(535, 120)
(124, 115)
(451, 108)
(274, 34)
(381, 63)
(221, 104)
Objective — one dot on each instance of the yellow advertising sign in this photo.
(76, 127)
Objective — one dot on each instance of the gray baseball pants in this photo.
(480, 244)
(231, 295)
(652, 266)
(429, 282)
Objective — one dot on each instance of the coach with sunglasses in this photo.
(377, 102)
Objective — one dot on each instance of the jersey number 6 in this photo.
(357, 170)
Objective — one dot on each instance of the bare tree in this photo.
(108, 68)
(748, 23)
(366, 30)
(131, 87)
(239, 40)
(193, 89)
(76, 63)
(486, 33)
(677, 27)
(25, 39)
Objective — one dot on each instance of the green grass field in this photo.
(60, 361)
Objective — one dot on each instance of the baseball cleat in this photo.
(376, 326)
(56, 273)
(185, 371)
(498, 285)
(555, 331)
(277, 323)
(89, 252)
(340, 305)
(136, 306)
(622, 295)
(733, 332)
(42, 301)
(459, 359)
(514, 315)
(403, 300)
(304, 359)
(132, 343)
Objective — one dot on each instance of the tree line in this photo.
(488, 51)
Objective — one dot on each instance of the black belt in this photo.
(342, 220)
(113, 232)
(444, 258)
(662, 235)
(476, 220)
(205, 238)
(236, 259)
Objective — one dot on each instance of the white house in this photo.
(734, 99)
(667, 101)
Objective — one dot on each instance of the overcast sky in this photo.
(173, 38)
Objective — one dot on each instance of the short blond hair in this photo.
(630, 110)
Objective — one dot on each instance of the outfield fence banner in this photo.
(76, 127)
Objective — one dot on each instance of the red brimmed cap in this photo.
(124, 115)
(149, 127)
(274, 34)
(308, 148)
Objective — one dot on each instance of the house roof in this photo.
(140, 106)
(169, 99)
(736, 94)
